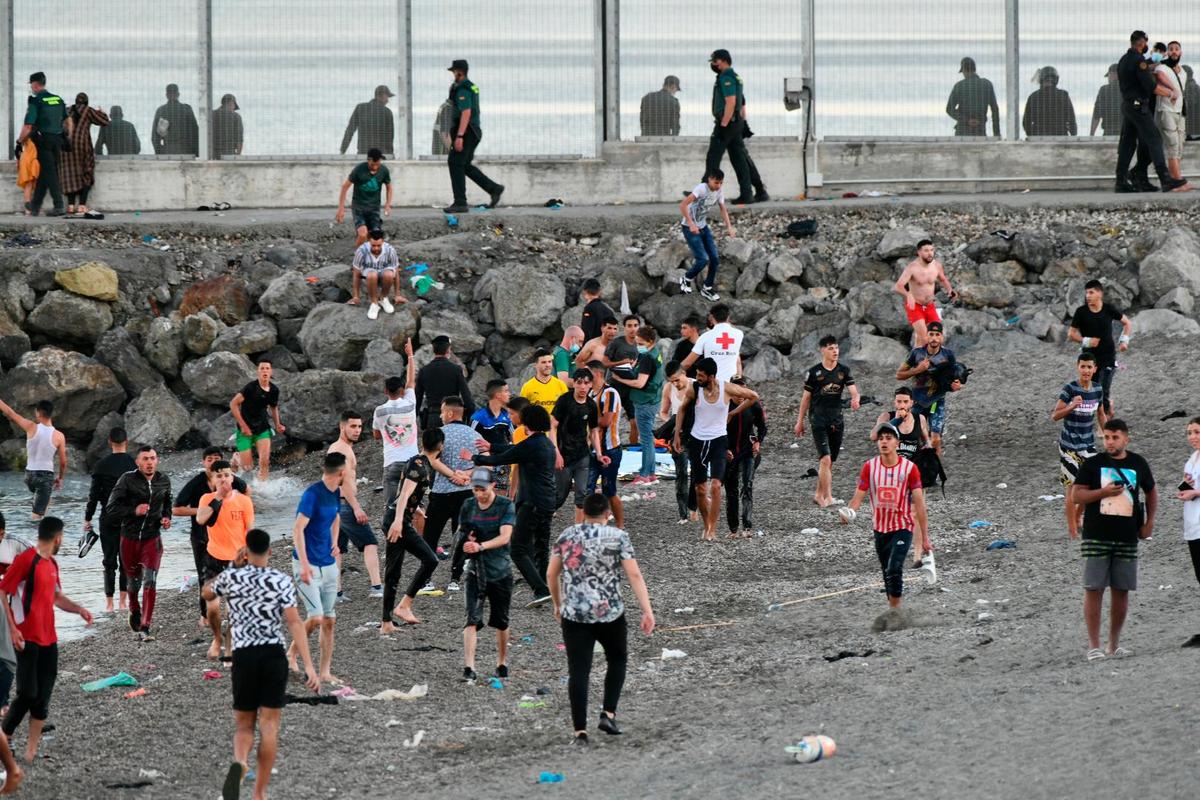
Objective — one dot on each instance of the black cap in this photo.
(383, 89)
(934, 326)
(172, 88)
(966, 65)
(887, 428)
(1111, 68)
(441, 340)
(721, 54)
(459, 64)
(226, 98)
(375, 154)
(671, 80)
(38, 77)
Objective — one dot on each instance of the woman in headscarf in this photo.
(79, 163)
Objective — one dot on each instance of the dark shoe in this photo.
(456, 209)
(1171, 184)
(1125, 187)
(495, 197)
(609, 725)
(762, 197)
(135, 621)
(232, 788)
(1193, 642)
(744, 200)
(32, 211)
(469, 675)
(1142, 183)
(57, 211)
(502, 671)
(538, 601)
(581, 740)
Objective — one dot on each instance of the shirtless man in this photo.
(355, 527)
(594, 350)
(918, 285)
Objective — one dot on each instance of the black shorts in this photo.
(498, 595)
(707, 459)
(260, 676)
(367, 219)
(213, 567)
(827, 435)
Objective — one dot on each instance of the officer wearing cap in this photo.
(969, 103)
(227, 128)
(1106, 111)
(1138, 85)
(464, 96)
(729, 121)
(659, 114)
(175, 131)
(374, 124)
(44, 118)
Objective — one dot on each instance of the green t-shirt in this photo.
(485, 524)
(562, 361)
(46, 112)
(650, 394)
(728, 84)
(465, 97)
(367, 186)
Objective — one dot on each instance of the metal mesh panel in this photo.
(888, 69)
(121, 55)
(534, 64)
(660, 39)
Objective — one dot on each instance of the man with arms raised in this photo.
(917, 284)
(42, 443)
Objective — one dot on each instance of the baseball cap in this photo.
(375, 154)
(967, 65)
(671, 80)
(887, 428)
(721, 54)
(481, 476)
(458, 63)
(1111, 68)
(382, 89)
(935, 326)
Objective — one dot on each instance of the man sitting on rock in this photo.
(376, 261)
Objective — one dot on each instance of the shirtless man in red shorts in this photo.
(918, 285)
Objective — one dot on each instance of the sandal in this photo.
(1121, 652)
(1095, 654)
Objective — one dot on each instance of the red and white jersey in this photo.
(890, 490)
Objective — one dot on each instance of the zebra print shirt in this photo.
(257, 597)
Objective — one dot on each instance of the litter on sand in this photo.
(392, 723)
(550, 777)
(210, 675)
(415, 693)
(310, 700)
(668, 654)
(120, 679)
(139, 692)
(152, 774)
(1002, 544)
(980, 523)
(532, 704)
(685, 610)
(345, 691)
(810, 531)
(496, 683)
(1050, 498)
(415, 741)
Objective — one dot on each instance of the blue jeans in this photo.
(644, 416)
(704, 248)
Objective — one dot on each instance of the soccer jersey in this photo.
(610, 403)
(1078, 432)
(890, 490)
(543, 394)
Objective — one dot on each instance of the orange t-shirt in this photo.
(228, 534)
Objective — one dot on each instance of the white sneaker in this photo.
(685, 284)
(388, 308)
(709, 294)
(452, 586)
(373, 311)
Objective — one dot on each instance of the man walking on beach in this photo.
(1080, 405)
(250, 408)
(402, 536)
(1110, 486)
(228, 515)
(917, 284)
(355, 525)
(932, 369)
(104, 477)
(314, 565)
(486, 522)
(467, 133)
(368, 180)
(141, 500)
(43, 442)
(1092, 327)
(822, 403)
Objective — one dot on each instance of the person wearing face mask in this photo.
(1139, 134)
(1168, 111)
(729, 118)
(565, 352)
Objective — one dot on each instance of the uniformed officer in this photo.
(464, 96)
(1138, 131)
(729, 118)
(44, 125)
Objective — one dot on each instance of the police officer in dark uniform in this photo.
(1138, 131)
(729, 118)
(44, 119)
(464, 96)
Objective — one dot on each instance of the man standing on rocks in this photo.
(376, 260)
(104, 477)
(355, 525)
(721, 342)
(43, 442)
(544, 388)
(1080, 405)
(932, 369)
(467, 133)
(1092, 327)
(698, 234)
(314, 562)
(1115, 517)
(918, 286)
(141, 500)
(822, 403)
(438, 379)
(367, 179)
(250, 408)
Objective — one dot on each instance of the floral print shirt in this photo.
(591, 577)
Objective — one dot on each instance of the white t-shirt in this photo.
(722, 344)
(1173, 80)
(1191, 509)
(396, 421)
(706, 200)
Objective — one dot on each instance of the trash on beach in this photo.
(310, 700)
(531, 704)
(392, 723)
(794, 445)
(560, 647)
(811, 749)
(841, 654)
(139, 692)
(120, 679)
(527, 638)
(543, 690)
(668, 654)
(984, 615)
(1050, 498)
(415, 741)
(980, 523)
(189, 582)
(810, 531)
(551, 777)
(1001, 485)
(1002, 544)
(451, 221)
(211, 675)
(152, 774)
(496, 683)
(415, 693)
(685, 610)
(1173, 415)
(345, 691)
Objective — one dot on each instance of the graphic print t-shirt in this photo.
(257, 597)
(1079, 427)
(591, 558)
(396, 421)
(706, 200)
(1115, 519)
(826, 387)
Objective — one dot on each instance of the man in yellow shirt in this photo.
(228, 514)
(544, 388)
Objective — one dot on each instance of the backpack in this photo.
(930, 466)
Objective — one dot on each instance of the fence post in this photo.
(7, 78)
(608, 72)
(1012, 69)
(808, 61)
(404, 78)
(205, 99)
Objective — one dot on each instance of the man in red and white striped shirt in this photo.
(894, 486)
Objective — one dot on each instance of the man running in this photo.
(259, 598)
(585, 579)
(486, 522)
(608, 419)
(894, 487)
(33, 582)
(228, 515)
(544, 388)
(1080, 406)
(917, 284)
(253, 409)
(355, 527)
(104, 478)
(575, 431)
(708, 441)
(932, 369)
(564, 353)
(314, 562)
(367, 179)
(912, 431)
(447, 496)
(746, 433)
(822, 404)
(376, 261)
(721, 342)
(394, 424)
(1115, 517)
(403, 537)
(42, 443)
(1092, 327)
(141, 501)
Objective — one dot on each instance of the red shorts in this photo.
(926, 313)
(137, 554)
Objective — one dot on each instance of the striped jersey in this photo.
(1078, 431)
(610, 403)
(365, 259)
(890, 490)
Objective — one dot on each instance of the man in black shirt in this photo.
(822, 402)
(403, 538)
(659, 112)
(1091, 326)
(253, 409)
(438, 379)
(1110, 486)
(595, 310)
(746, 433)
(689, 334)
(1138, 131)
(374, 124)
(104, 478)
(574, 425)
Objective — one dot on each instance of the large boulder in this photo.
(98, 446)
(289, 295)
(669, 257)
(665, 313)
(986, 295)
(784, 267)
(637, 285)
(335, 335)
(117, 351)
(989, 248)
(68, 317)
(877, 305)
(1163, 322)
(778, 327)
(156, 417)
(217, 377)
(82, 389)
(750, 278)
(853, 271)
(464, 335)
(876, 351)
(767, 365)
(14, 342)
(526, 301)
(252, 336)
(199, 331)
(900, 242)
(17, 297)
(163, 345)
(311, 402)
(1034, 250)
(1174, 263)
(1178, 299)
(226, 294)
(93, 279)
(382, 359)
(739, 252)
(1010, 272)
(259, 277)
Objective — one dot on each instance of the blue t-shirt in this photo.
(321, 507)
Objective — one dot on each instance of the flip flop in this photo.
(89, 214)
(232, 788)
(1095, 654)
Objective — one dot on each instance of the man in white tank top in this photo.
(42, 443)
(707, 441)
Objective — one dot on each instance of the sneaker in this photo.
(377, 591)
(1095, 654)
(683, 521)
(538, 601)
(469, 675)
(456, 209)
(452, 586)
(386, 305)
(342, 597)
(581, 740)
(685, 284)
(427, 589)
(650, 480)
(709, 293)
(638, 480)
(762, 197)
(495, 196)
(373, 311)
(1121, 652)
(502, 671)
(135, 621)
(609, 725)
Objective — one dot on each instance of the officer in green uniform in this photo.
(44, 125)
(464, 96)
(729, 122)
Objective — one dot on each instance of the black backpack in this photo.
(930, 467)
